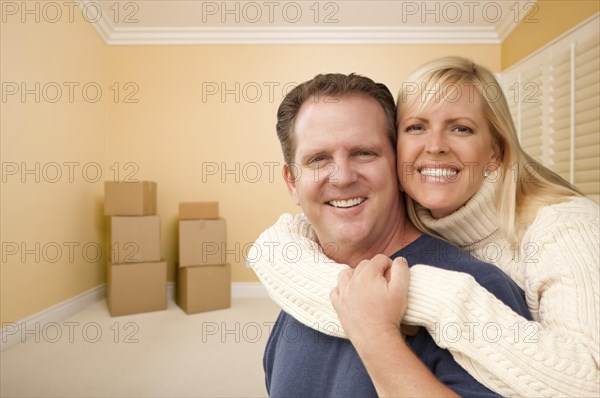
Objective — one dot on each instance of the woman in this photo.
(468, 181)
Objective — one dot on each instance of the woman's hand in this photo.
(371, 299)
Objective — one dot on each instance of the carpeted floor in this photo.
(158, 354)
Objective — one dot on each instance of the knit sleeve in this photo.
(504, 351)
(556, 355)
(297, 274)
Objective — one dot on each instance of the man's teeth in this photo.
(347, 203)
(439, 172)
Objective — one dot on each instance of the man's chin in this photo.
(347, 235)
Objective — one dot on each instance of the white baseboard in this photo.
(10, 333)
(171, 291)
(238, 290)
(248, 290)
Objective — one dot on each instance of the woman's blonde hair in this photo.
(525, 184)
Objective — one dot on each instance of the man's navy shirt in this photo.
(302, 362)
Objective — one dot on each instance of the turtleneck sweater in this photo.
(556, 263)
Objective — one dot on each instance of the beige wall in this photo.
(59, 212)
(177, 130)
(171, 134)
(546, 21)
(174, 131)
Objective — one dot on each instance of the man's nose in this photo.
(343, 173)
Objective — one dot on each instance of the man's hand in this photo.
(370, 301)
(372, 298)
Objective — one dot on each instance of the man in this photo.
(338, 137)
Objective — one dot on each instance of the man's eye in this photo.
(316, 161)
(364, 153)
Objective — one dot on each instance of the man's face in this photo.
(344, 175)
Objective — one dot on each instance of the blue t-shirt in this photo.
(302, 362)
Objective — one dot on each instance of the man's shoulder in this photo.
(430, 250)
(291, 330)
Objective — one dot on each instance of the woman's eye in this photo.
(463, 129)
(413, 128)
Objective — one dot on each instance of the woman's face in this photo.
(444, 153)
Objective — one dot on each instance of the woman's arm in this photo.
(297, 274)
(556, 356)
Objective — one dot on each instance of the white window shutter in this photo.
(587, 116)
(558, 123)
(532, 104)
(559, 111)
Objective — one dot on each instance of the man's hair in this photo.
(334, 86)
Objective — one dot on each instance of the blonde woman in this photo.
(468, 181)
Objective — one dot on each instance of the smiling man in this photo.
(337, 134)
(346, 184)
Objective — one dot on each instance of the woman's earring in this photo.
(486, 173)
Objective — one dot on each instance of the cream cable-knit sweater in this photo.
(556, 264)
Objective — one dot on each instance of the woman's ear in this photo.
(496, 157)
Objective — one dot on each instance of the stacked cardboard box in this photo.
(203, 277)
(137, 276)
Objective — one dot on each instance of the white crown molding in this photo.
(193, 35)
(297, 35)
(506, 25)
(505, 28)
(104, 29)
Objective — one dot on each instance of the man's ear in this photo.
(290, 182)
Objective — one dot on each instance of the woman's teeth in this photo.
(438, 172)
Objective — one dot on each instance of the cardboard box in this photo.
(198, 210)
(135, 239)
(204, 288)
(134, 288)
(129, 198)
(202, 242)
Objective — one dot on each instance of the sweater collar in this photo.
(471, 223)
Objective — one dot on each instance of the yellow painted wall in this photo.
(164, 126)
(172, 123)
(179, 134)
(49, 215)
(546, 21)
